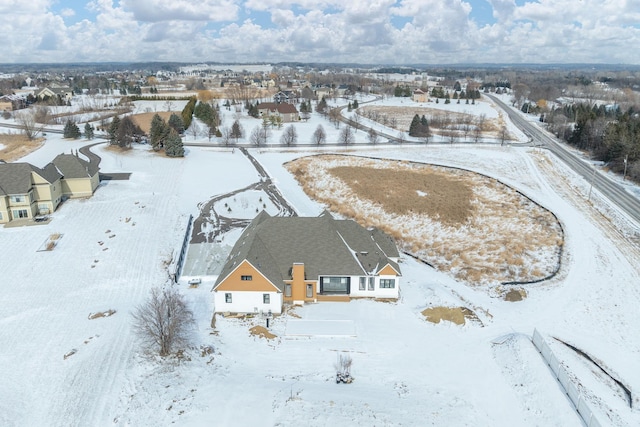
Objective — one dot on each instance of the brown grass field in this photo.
(144, 119)
(472, 226)
(14, 147)
(457, 315)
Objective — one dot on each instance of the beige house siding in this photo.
(4, 212)
(79, 187)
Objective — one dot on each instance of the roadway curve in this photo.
(629, 204)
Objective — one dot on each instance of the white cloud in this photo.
(323, 31)
(182, 10)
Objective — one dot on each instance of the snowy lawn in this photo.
(117, 245)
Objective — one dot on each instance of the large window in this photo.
(246, 278)
(17, 199)
(335, 285)
(387, 283)
(20, 213)
(266, 298)
(363, 284)
(227, 298)
(372, 283)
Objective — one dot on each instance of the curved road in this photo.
(611, 190)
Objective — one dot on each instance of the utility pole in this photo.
(624, 175)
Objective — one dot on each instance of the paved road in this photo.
(613, 191)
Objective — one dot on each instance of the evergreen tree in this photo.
(322, 106)
(71, 130)
(355, 104)
(236, 130)
(88, 131)
(187, 112)
(176, 123)
(158, 132)
(414, 126)
(113, 130)
(173, 146)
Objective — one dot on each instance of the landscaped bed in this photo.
(476, 228)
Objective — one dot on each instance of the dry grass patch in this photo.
(100, 314)
(457, 315)
(473, 226)
(515, 295)
(14, 147)
(144, 119)
(262, 332)
(436, 194)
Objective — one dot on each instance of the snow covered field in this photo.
(116, 246)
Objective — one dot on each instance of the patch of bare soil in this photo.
(14, 147)
(100, 314)
(457, 315)
(515, 295)
(472, 226)
(144, 119)
(262, 332)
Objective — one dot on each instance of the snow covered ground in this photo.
(116, 246)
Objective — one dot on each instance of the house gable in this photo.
(388, 270)
(257, 283)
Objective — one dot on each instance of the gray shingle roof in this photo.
(324, 245)
(71, 166)
(15, 178)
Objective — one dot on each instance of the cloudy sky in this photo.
(361, 31)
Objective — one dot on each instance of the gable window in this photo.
(227, 298)
(387, 283)
(266, 298)
(246, 278)
(363, 284)
(372, 283)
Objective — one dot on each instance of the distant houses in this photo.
(299, 260)
(27, 191)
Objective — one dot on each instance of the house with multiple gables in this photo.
(63, 93)
(297, 260)
(287, 112)
(27, 191)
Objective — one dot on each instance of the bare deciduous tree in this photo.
(319, 136)
(258, 136)
(346, 136)
(30, 125)
(289, 136)
(164, 321)
(372, 136)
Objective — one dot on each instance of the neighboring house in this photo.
(27, 191)
(64, 93)
(280, 260)
(284, 96)
(420, 96)
(12, 102)
(288, 112)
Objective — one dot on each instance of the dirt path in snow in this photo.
(210, 224)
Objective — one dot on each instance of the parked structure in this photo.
(297, 260)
